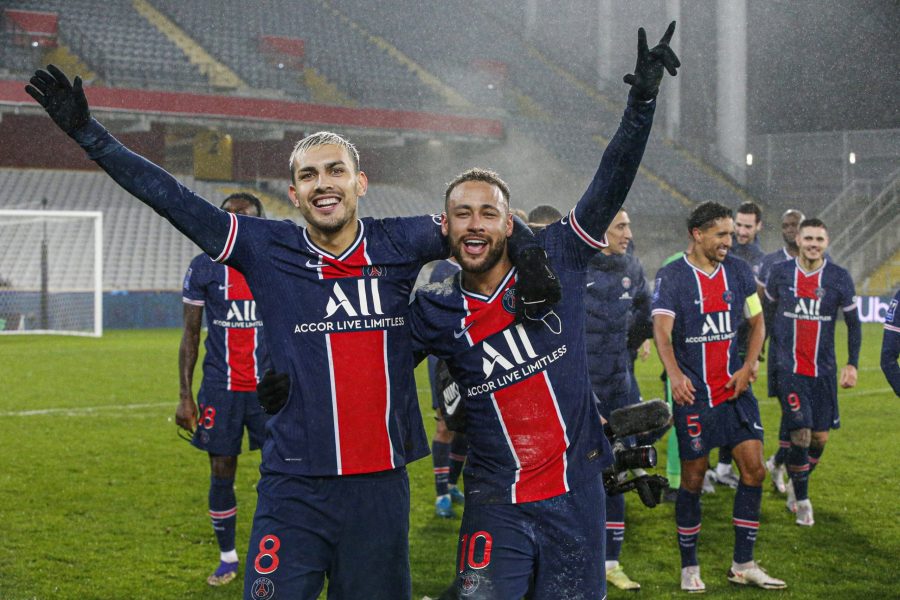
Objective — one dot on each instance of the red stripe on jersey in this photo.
(240, 344)
(715, 353)
(360, 397)
(806, 332)
(537, 437)
(485, 318)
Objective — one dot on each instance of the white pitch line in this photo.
(83, 410)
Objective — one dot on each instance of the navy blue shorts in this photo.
(559, 541)
(223, 416)
(353, 528)
(701, 428)
(809, 402)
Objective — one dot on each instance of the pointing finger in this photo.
(642, 42)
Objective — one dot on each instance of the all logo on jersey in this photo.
(241, 315)
(717, 323)
(368, 300)
(510, 358)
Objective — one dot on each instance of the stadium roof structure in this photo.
(260, 118)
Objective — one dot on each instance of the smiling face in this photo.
(325, 188)
(618, 235)
(477, 223)
(745, 227)
(789, 224)
(714, 242)
(812, 241)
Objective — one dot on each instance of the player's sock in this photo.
(229, 557)
(815, 455)
(673, 463)
(745, 518)
(458, 449)
(615, 526)
(687, 519)
(784, 443)
(798, 470)
(440, 458)
(724, 465)
(223, 511)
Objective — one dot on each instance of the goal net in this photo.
(51, 272)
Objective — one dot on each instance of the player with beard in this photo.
(809, 293)
(333, 496)
(698, 303)
(790, 222)
(536, 448)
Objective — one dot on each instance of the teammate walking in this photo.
(536, 448)
(890, 344)
(236, 358)
(809, 293)
(698, 303)
(333, 496)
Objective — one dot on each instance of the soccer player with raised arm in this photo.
(890, 344)
(698, 303)
(333, 496)
(809, 293)
(534, 510)
(236, 357)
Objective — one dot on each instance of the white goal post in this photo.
(51, 272)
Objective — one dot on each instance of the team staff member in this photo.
(236, 358)
(333, 495)
(536, 447)
(616, 302)
(809, 293)
(698, 304)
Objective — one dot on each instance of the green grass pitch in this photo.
(100, 499)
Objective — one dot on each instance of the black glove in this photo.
(273, 391)
(648, 72)
(64, 102)
(537, 287)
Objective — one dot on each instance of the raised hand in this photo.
(63, 101)
(648, 72)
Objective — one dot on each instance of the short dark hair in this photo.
(704, 215)
(812, 222)
(477, 174)
(751, 208)
(247, 197)
(544, 215)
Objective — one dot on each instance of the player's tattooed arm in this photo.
(66, 104)
(188, 351)
(681, 385)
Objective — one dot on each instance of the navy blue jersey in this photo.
(708, 309)
(750, 253)
(890, 344)
(768, 261)
(353, 406)
(533, 428)
(236, 355)
(441, 271)
(806, 311)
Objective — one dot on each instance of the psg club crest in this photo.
(374, 271)
(509, 300)
(262, 589)
(697, 444)
(820, 292)
(728, 296)
(469, 583)
(626, 282)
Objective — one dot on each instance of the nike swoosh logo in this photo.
(450, 407)
(459, 334)
(755, 426)
(590, 283)
(313, 265)
(224, 287)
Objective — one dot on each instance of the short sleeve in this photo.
(194, 286)
(664, 293)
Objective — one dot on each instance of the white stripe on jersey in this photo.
(562, 422)
(387, 407)
(334, 411)
(512, 449)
